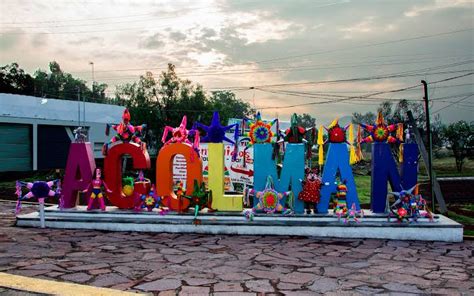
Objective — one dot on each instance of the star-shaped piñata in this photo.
(381, 132)
(259, 131)
(215, 132)
(269, 200)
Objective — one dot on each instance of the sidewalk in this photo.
(233, 265)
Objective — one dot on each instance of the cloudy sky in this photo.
(281, 56)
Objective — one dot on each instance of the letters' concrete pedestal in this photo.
(371, 226)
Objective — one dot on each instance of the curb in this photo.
(27, 284)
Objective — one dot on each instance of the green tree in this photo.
(164, 100)
(460, 139)
(306, 120)
(229, 106)
(14, 80)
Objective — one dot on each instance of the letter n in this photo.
(384, 170)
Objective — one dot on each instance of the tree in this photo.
(164, 101)
(55, 84)
(229, 106)
(460, 138)
(306, 120)
(15, 81)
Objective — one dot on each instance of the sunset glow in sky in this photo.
(275, 46)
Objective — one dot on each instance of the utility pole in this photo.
(93, 78)
(78, 106)
(92, 88)
(430, 142)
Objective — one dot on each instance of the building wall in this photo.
(53, 146)
(16, 147)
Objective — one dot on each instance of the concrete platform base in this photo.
(371, 225)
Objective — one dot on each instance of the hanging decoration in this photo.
(320, 146)
(96, 191)
(358, 141)
(126, 132)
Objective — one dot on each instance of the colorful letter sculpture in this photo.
(125, 132)
(113, 171)
(311, 192)
(96, 192)
(221, 201)
(215, 135)
(164, 174)
(291, 174)
(78, 175)
(384, 170)
(271, 200)
(337, 162)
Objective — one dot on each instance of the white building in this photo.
(36, 132)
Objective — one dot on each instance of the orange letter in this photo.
(164, 174)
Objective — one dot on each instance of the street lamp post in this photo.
(92, 88)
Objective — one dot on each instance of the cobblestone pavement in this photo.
(169, 264)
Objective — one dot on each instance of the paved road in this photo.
(169, 264)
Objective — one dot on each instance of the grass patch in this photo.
(363, 188)
(468, 207)
(446, 167)
(464, 220)
(469, 232)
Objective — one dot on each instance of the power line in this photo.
(278, 69)
(77, 20)
(359, 97)
(365, 45)
(106, 23)
(395, 75)
(104, 18)
(371, 59)
(453, 103)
